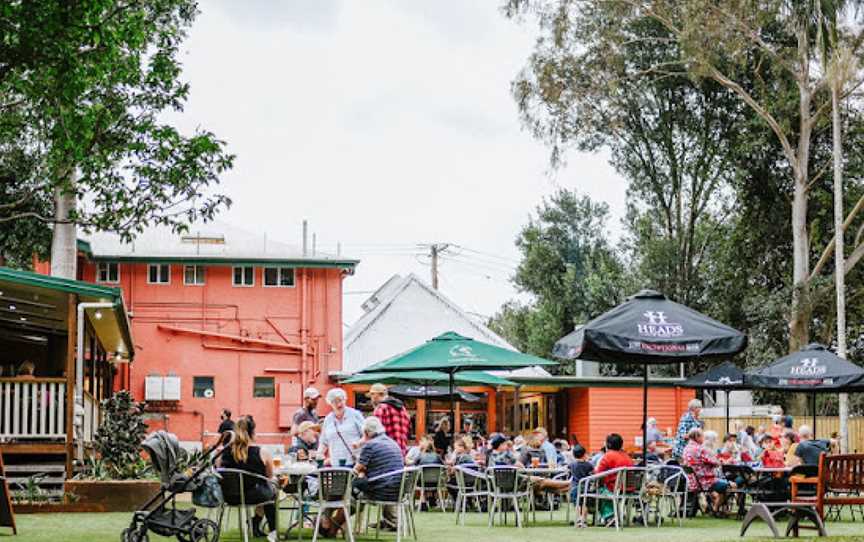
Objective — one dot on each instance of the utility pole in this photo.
(435, 249)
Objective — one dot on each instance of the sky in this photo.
(388, 125)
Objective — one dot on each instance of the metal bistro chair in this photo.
(234, 484)
(508, 485)
(433, 479)
(470, 484)
(404, 503)
(334, 493)
(674, 491)
(629, 491)
(591, 487)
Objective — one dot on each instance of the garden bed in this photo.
(111, 495)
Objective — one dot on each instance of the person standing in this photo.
(442, 437)
(227, 424)
(307, 412)
(341, 432)
(689, 420)
(393, 415)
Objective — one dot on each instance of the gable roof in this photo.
(386, 295)
(208, 243)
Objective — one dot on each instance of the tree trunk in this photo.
(64, 248)
(839, 255)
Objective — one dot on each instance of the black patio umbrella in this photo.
(813, 369)
(434, 392)
(726, 376)
(650, 329)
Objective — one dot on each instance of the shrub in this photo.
(119, 437)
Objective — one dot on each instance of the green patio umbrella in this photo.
(452, 353)
(429, 377)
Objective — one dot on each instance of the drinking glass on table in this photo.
(535, 462)
(277, 462)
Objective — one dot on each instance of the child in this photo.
(771, 457)
(579, 469)
(730, 454)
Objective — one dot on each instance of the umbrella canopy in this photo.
(434, 392)
(812, 369)
(422, 377)
(650, 329)
(726, 376)
(451, 353)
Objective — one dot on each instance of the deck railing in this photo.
(32, 408)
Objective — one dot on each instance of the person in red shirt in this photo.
(771, 457)
(392, 413)
(612, 459)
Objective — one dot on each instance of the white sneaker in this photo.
(272, 536)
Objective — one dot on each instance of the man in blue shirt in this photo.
(688, 421)
(548, 448)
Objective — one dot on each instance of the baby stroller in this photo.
(160, 514)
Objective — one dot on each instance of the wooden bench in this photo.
(840, 482)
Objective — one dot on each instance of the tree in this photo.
(568, 267)
(751, 48)
(86, 84)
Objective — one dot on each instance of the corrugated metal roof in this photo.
(213, 242)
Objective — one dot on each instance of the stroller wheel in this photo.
(132, 535)
(205, 530)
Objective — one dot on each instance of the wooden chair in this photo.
(839, 482)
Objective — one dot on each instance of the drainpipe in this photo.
(79, 366)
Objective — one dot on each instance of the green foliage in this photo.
(118, 439)
(85, 87)
(30, 492)
(569, 269)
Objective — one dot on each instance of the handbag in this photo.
(209, 492)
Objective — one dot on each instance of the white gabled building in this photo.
(403, 313)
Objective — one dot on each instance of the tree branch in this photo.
(829, 248)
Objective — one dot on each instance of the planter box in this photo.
(112, 495)
(52, 507)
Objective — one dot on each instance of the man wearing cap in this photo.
(306, 440)
(306, 413)
(392, 413)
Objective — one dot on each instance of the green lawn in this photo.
(433, 527)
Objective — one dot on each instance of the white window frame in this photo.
(242, 284)
(203, 275)
(158, 267)
(279, 270)
(107, 266)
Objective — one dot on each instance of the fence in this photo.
(33, 409)
(825, 426)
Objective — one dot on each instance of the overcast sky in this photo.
(385, 124)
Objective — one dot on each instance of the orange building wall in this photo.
(258, 312)
(596, 412)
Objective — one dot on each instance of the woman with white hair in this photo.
(341, 431)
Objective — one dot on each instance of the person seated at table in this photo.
(702, 459)
(413, 453)
(808, 450)
(730, 452)
(597, 456)
(564, 451)
(461, 453)
(777, 428)
(428, 455)
(788, 444)
(306, 442)
(533, 454)
(26, 371)
(502, 455)
(244, 454)
(379, 455)
(771, 457)
(612, 459)
(580, 468)
(551, 455)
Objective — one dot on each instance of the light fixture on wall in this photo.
(97, 315)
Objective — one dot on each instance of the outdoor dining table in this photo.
(295, 474)
(543, 472)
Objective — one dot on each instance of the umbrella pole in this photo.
(452, 409)
(814, 415)
(727, 412)
(645, 415)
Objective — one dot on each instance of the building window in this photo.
(159, 273)
(193, 275)
(202, 386)
(244, 276)
(264, 387)
(107, 272)
(279, 277)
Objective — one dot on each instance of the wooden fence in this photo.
(825, 426)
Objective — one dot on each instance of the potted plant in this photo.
(117, 478)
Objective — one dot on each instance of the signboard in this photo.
(7, 515)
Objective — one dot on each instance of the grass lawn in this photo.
(434, 527)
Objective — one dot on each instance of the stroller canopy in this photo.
(165, 452)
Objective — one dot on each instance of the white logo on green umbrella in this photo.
(462, 351)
